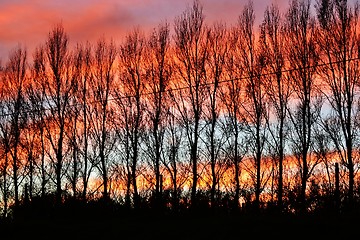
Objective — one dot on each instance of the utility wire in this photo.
(207, 83)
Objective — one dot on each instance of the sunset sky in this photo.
(27, 22)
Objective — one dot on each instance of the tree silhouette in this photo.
(232, 98)
(338, 40)
(37, 100)
(160, 71)
(302, 55)
(14, 104)
(277, 87)
(133, 77)
(254, 107)
(218, 49)
(57, 87)
(102, 86)
(191, 52)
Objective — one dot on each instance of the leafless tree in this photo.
(83, 108)
(74, 132)
(32, 149)
(218, 48)
(123, 133)
(277, 87)
(5, 148)
(323, 149)
(305, 109)
(14, 103)
(231, 98)
(102, 118)
(130, 99)
(86, 105)
(5, 171)
(191, 52)
(159, 72)
(171, 160)
(57, 87)
(254, 108)
(338, 40)
(37, 102)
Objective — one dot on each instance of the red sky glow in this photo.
(27, 22)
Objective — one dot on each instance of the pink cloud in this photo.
(28, 21)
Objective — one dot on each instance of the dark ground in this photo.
(115, 224)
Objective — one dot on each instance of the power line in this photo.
(207, 83)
